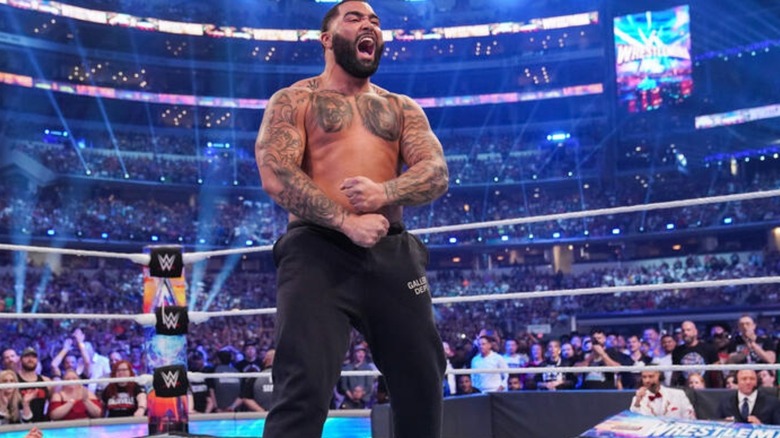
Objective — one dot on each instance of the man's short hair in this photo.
(333, 13)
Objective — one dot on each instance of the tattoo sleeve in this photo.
(279, 150)
(427, 176)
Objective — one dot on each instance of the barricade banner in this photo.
(628, 424)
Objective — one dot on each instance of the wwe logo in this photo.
(166, 261)
(171, 378)
(170, 320)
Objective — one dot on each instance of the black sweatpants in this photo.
(326, 284)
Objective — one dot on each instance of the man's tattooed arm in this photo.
(279, 152)
(427, 177)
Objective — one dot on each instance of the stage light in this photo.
(50, 232)
(104, 235)
(556, 235)
(587, 233)
(669, 226)
(504, 238)
(249, 242)
(616, 231)
(155, 238)
(728, 220)
(453, 240)
(202, 241)
(558, 136)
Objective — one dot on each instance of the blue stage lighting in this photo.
(104, 235)
(249, 242)
(453, 240)
(728, 220)
(669, 226)
(616, 231)
(50, 232)
(155, 238)
(558, 136)
(556, 235)
(504, 238)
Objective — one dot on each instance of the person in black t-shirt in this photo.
(695, 352)
(126, 399)
(748, 347)
(199, 395)
(27, 373)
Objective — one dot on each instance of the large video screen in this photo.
(653, 59)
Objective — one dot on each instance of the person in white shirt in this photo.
(449, 380)
(512, 355)
(658, 401)
(488, 359)
(668, 345)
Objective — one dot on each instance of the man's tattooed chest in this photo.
(333, 112)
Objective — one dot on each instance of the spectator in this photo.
(74, 401)
(125, 399)
(514, 382)
(257, 395)
(748, 347)
(638, 358)
(552, 381)
(226, 391)
(68, 361)
(100, 366)
(512, 355)
(14, 408)
(668, 344)
(465, 386)
(695, 352)
(602, 356)
(696, 381)
(359, 362)
(766, 379)
(199, 394)
(10, 360)
(488, 359)
(39, 396)
(449, 379)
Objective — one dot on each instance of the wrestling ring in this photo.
(250, 424)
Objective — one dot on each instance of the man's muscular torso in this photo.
(348, 136)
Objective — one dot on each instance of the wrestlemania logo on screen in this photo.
(653, 59)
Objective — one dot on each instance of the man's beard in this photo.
(24, 367)
(345, 52)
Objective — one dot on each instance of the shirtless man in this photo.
(330, 151)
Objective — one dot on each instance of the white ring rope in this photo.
(143, 259)
(146, 379)
(609, 290)
(148, 319)
(604, 211)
